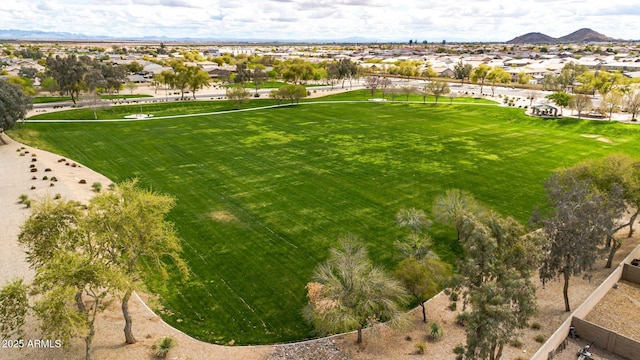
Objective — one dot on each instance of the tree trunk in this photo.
(80, 302)
(128, 333)
(359, 341)
(612, 252)
(424, 312)
(565, 290)
(499, 354)
(87, 343)
(631, 221)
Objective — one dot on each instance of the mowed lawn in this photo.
(262, 195)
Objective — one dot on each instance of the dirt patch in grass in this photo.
(222, 216)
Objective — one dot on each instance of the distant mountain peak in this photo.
(582, 35)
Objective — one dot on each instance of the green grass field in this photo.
(262, 195)
(50, 99)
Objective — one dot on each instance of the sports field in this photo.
(261, 195)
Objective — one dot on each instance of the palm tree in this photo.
(350, 293)
(448, 208)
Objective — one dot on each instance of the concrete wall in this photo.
(631, 273)
(581, 311)
(606, 339)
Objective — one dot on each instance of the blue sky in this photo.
(453, 20)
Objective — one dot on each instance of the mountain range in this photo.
(582, 35)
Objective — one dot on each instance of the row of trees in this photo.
(384, 84)
(494, 276)
(72, 75)
(613, 100)
(586, 207)
(584, 210)
(85, 258)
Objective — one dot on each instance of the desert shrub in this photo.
(22, 198)
(34, 178)
(34, 159)
(21, 154)
(516, 343)
(45, 177)
(453, 306)
(462, 318)
(459, 351)
(162, 347)
(52, 185)
(53, 178)
(420, 348)
(112, 186)
(82, 181)
(32, 166)
(97, 186)
(539, 338)
(33, 187)
(34, 169)
(57, 197)
(408, 338)
(536, 326)
(27, 203)
(436, 331)
(453, 296)
(47, 170)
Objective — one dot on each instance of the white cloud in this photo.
(471, 20)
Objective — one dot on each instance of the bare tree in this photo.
(372, 83)
(580, 103)
(633, 103)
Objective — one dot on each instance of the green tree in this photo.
(276, 95)
(576, 220)
(560, 98)
(49, 85)
(69, 72)
(243, 74)
(135, 67)
(462, 71)
(498, 75)
(130, 223)
(350, 293)
(479, 74)
(73, 276)
(197, 79)
(14, 104)
(293, 92)
(429, 73)
(524, 78)
(607, 175)
(423, 278)
(13, 309)
(438, 88)
(258, 77)
(450, 206)
(420, 270)
(495, 273)
(237, 95)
